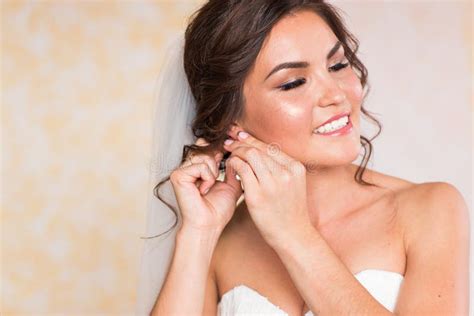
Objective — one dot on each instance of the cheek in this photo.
(273, 115)
(282, 118)
(277, 118)
(353, 89)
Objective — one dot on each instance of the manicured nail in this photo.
(228, 141)
(243, 135)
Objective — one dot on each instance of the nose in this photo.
(332, 93)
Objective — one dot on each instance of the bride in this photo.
(274, 217)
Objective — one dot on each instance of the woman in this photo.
(278, 91)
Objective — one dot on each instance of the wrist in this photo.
(296, 239)
(199, 238)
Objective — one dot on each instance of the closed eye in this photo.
(292, 84)
(298, 82)
(339, 66)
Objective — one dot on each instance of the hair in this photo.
(222, 41)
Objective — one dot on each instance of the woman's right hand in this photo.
(206, 211)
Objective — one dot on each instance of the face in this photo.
(286, 107)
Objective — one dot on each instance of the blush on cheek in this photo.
(355, 89)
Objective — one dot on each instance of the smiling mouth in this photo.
(337, 126)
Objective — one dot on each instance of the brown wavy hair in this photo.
(222, 41)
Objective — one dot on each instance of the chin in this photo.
(337, 157)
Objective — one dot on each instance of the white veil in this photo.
(173, 111)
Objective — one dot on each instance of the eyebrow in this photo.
(302, 64)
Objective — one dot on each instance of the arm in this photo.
(212, 294)
(437, 242)
(183, 292)
(436, 279)
(324, 282)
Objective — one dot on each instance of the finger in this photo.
(217, 155)
(218, 158)
(207, 160)
(201, 142)
(272, 149)
(191, 174)
(245, 172)
(208, 180)
(230, 179)
(262, 166)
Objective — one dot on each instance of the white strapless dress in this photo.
(242, 300)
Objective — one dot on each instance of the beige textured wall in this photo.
(78, 78)
(77, 84)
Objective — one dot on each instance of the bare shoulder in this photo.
(428, 213)
(429, 198)
(430, 207)
(414, 193)
(424, 202)
(393, 183)
(435, 221)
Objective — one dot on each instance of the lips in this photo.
(333, 118)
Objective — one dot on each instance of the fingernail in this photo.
(228, 141)
(207, 190)
(242, 135)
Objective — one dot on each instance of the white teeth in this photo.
(334, 125)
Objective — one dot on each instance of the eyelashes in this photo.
(339, 66)
(300, 81)
(293, 84)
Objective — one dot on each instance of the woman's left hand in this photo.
(274, 187)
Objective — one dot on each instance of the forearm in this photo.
(183, 292)
(325, 283)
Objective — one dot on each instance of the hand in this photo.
(274, 186)
(205, 204)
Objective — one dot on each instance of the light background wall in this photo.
(77, 88)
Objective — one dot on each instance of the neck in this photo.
(331, 193)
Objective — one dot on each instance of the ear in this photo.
(237, 123)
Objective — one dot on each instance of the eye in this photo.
(293, 84)
(300, 81)
(339, 66)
